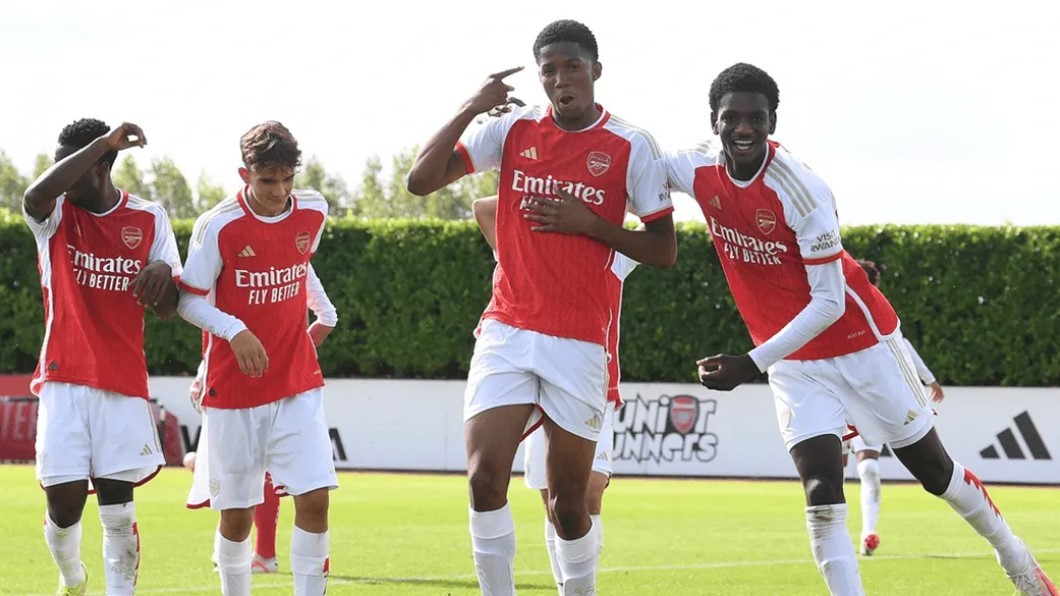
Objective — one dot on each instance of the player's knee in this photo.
(488, 488)
(822, 491)
(65, 515)
(568, 514)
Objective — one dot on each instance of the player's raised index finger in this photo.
(505, 73)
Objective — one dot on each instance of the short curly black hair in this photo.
(80, 133)
(744, 77)
(872, 270)
(567, 30)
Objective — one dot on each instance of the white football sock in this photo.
(309, 562)
(577, 560)
(550, 543)
(121, 547)
(598, 526)
(968, 497)
(233, 564)
(65, 547)
(833, 550)
(493, 545)
(871, 491)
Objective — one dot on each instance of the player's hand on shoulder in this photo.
(723, 372)
(253, 361)
(937, 395)
(492, 93)
(319, 332)
(149, 285)
(567, 214)
(124, 136)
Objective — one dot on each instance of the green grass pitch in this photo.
(407, 535)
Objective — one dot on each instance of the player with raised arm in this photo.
(535, 445)
(104, 255)
(244, 284)
(266, 514)
(540, 356)
(868, 455)
(828, 338)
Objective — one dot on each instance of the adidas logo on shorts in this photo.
(146, 450)
(1011, 446)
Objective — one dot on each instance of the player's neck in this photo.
(581, 123)
(746, 172)
(266, 210)
(102, 203)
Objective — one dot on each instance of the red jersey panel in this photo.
(766, 231)
(254, 268)
(557, 284)
(94, 329)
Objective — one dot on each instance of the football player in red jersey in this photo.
(828, 338)
(540, 355)
(103, 256)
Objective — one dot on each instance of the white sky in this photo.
(912, 111)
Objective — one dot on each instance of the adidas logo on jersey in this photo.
(715, 202)
(530, 153)
(1032, 440)
(247, 252)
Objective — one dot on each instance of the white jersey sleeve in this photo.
(922, 370)
(44, 229)
(647, 188)
(482, 146)
(681, 166)
(809, 208)
(164, 247)
(203, 265)
(318, 300)
(623, 266)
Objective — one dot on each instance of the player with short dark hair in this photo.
(568, 174)
(104, 256)
(829, 339)
(244, 284)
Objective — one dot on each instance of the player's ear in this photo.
(245, 175)
(598, 69)
(772, 122)
(714, 122)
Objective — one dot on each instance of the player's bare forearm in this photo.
(485, 210)
(39, 198)
(655, 245)
(438, 164)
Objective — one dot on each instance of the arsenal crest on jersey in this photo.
(132, 237)
(684, 411)
(766, 221)
(301, 242)
(598, 163)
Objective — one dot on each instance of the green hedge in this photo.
(980, 303)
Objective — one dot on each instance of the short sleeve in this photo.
(164, 247)
(680, 171)
(204, 257)
(809, 209)
(646, 180)
(45, 229)
(482, 146)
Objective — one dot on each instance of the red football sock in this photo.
(266, 516)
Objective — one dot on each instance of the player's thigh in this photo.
(568, 461)
(299, 455)
(235, 459)
(125, 445)
(806, 400)
(534, 460)
(492, 438)
(63, 443)
(883, 396)
(573, 377)
(498, 376)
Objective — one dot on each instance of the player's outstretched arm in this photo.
(39, 198)
(655, 245)
(438, 163)
(321, 305)
(485, 210)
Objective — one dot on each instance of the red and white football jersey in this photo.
(254, 268)
(622, 267)
(766, 230)
(93, 327)
(557, 284)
